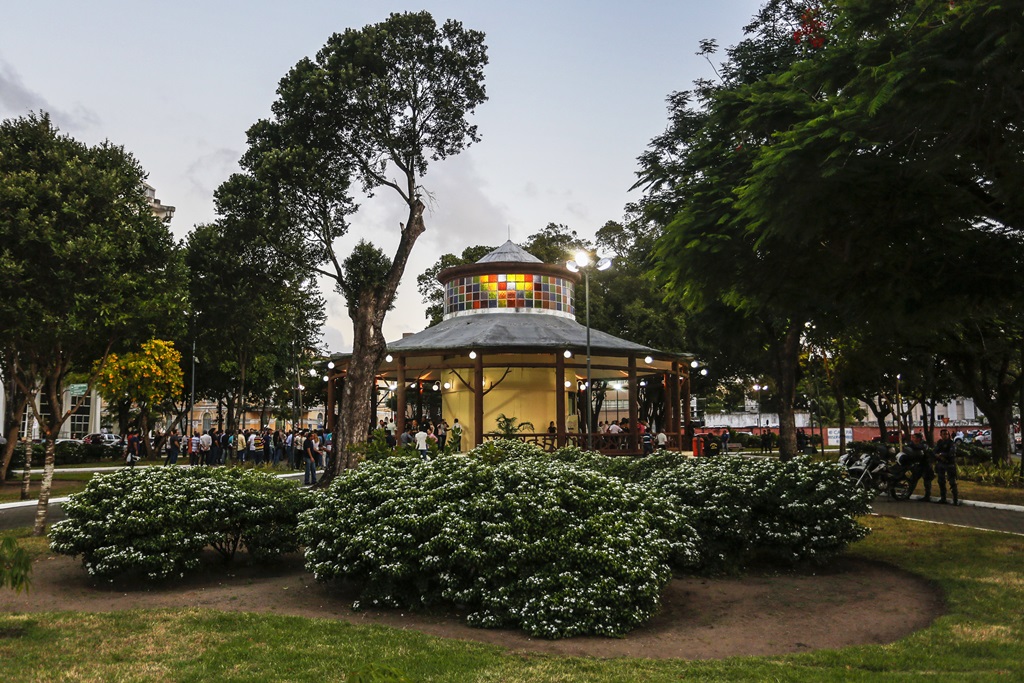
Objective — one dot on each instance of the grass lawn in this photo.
(980, 639)
(970, 490)
(64, 483)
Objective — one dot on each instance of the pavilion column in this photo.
(674, 398)
(400, 399)
(666, 397)
(634, 413)
(687, 414)
(560, 398)
(478, 399)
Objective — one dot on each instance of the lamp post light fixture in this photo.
(582, 264)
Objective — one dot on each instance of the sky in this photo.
(576, 92)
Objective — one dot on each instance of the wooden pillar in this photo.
(560, 398)
(674, 398)
(478, 399)
(634, 408)
(687, 414)
(666, 397)
(400, 399)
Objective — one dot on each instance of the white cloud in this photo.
(17, 99)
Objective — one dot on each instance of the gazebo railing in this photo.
(609, 444)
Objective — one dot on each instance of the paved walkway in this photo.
(973, 514)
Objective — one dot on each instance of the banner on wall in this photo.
(833, 435)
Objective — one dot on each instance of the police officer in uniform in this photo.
(915, 456)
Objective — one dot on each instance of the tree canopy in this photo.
(83, 261)
(376, 105)
(847, 168)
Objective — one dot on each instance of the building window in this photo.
(82, 405)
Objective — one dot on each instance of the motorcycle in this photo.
(879, 470)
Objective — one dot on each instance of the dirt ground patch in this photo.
(850, 602)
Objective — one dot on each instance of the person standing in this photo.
(661, 440)
(173, 447)
(442, 434)
(646, 440)
(915, 456)
(945, 467)
(205, 444)
(421, 442)
(311, 455)
(457, 436)
(133, 447)
(193, 449)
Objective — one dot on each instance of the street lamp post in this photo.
(581, 264)
(192, 399)
(758, 388)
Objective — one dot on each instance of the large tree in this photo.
(713, 258)
(82, 258)
(376, 104)
(851, 166)
(255, 313)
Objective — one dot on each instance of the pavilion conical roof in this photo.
(510, 252)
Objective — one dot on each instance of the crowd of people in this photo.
(423, 434)
(299, 449)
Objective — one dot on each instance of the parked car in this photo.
(103, 440)
(984, 438)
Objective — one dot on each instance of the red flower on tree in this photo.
(811, 31)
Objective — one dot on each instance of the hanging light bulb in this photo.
(568, 353)
(649, 359)
(330, 365)
(472, 355)
(447, 385)
(389, 358)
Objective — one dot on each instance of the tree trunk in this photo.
(356, 409)
(42, 507)
(12, 430)
(26, 472)
(369, 346)
(786, 359)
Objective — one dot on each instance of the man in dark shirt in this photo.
(915, 456)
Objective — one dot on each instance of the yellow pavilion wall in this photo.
(527, 394)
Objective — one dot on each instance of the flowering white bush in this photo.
(748, 510)
(156, 521)
(553, 547)
(572, 542)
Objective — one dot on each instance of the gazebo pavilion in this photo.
(509, 344)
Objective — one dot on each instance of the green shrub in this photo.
(266, 521)
(973, 454)
(66, 453)
(993, 474)
(552, 547)
(157, 521)
(756, 510)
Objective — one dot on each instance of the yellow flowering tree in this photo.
(145, 379)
